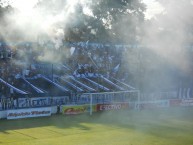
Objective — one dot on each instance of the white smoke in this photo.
(58, 38)
(40, 21)
(170, 32)
(153, 8)
(32, 18)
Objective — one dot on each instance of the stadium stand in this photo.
(87, 70)
(83, 69)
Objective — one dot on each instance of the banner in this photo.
(7, 103)
(117, 106)
(27, 113)
(54, 101)
(186, 102)
(39, 101)
(77, 109)
(42, 101)
(152, 104)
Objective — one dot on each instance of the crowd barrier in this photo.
(86, 108)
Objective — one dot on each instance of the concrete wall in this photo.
(3, 114)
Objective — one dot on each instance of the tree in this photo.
(120, 19)
(108, 21)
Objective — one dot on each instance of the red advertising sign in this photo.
(117, 106)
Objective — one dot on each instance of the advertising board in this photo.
(175, 102)
(186, 102)
(77, 109)
(117, 106)
(27, 113)
(152, 104)
(181, 102)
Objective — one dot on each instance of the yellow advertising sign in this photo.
(77, 109)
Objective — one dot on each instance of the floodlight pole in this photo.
(90, 95)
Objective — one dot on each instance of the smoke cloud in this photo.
(174, 33)
(164, 54)
(39, 21)
(165, 36)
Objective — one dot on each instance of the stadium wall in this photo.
(85, 108)
(3, 114)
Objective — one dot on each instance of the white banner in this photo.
(27, 113)
(186, 102)
(39, 101)
(24, 102)
(59, 100)
(42, 101)
(152, 104)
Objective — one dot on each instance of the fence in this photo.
(73, 99)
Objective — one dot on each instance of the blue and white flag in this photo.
(116, 68)
(72, 50)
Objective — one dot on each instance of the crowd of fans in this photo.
(79, 59)
(97, 59)
(85, 61)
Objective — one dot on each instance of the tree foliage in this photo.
(108, 21)
(120, 19)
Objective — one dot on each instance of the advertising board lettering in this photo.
(186, 102)
(118, 106)
(27, 113)
(153, 104)
(77, 109)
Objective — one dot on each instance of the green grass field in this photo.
(172, 126)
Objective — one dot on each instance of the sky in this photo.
(153, 8)
(26, 6)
